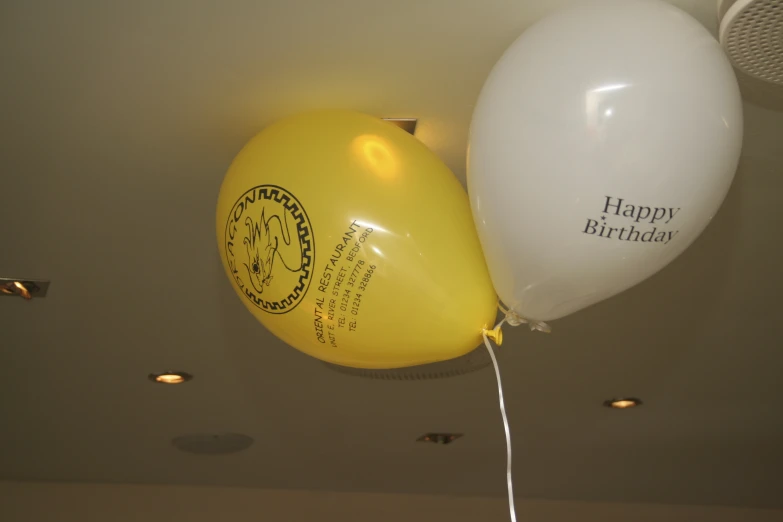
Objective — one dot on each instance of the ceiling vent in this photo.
(751, 32)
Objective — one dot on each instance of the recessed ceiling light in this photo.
(25, 288)
(623, 403)
(170, 377)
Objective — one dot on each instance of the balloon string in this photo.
(509, 480)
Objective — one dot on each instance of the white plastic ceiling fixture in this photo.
(751, 32)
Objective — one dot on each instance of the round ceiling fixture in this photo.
(212, 444)
(751, 32)
(170, 377)
(623, 403)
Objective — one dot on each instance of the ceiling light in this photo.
(623, 403)
(170, 377)
(24, 288)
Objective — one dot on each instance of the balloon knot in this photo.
(540, 326)
(514, 319)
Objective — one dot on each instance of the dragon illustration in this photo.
(266, 239)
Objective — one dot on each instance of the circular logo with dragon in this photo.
(270, 248)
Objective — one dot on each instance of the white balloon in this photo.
(603, 142)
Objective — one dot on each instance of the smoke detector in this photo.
(751, 33)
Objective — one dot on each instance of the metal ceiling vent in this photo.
(751, 32)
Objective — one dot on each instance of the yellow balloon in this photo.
(352, 242)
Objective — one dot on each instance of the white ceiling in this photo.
(119, 120)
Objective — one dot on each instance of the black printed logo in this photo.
(270, 248)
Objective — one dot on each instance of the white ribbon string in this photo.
(509, 481)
